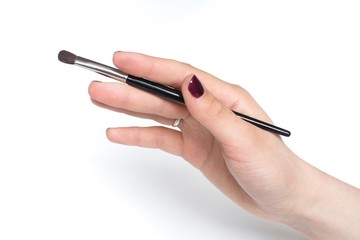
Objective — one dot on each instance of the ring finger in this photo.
(159, 119)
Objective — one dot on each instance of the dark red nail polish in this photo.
(195, 87)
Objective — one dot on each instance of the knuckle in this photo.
(150, 70)
(241, 99)
(214, 110)
(136, 137)
(161, 109)
(160, 141)
(240, 90)
(188, 65)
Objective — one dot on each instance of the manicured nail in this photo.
(195, 87)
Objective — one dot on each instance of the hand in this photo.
(251, 166)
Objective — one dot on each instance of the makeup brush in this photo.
(158, 89)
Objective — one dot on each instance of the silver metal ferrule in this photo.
(101, 69)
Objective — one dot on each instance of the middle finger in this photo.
(159, 119)
(119, 95)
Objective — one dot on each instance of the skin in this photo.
(251, 166)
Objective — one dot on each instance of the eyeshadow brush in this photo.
(152, 87)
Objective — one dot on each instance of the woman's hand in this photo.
(251, 166)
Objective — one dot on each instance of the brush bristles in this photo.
(67, 57)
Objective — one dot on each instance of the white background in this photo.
(61, 179)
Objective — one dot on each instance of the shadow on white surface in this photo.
(176, 200)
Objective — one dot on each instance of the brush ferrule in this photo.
(101, 69)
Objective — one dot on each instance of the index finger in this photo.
(161, 70)
(172, 73)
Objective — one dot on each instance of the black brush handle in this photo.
(264, 125)
(176, 96)
(156, 88)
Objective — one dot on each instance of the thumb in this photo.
(213, 114)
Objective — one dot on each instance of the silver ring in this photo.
(176, 122)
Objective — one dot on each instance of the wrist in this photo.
(324, 207)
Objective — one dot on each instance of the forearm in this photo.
(328, 208)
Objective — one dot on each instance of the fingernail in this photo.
(115, 53)
(109, 131)
(195, 87)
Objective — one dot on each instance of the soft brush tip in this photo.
(67, 57)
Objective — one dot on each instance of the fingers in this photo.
(214, 115)
(161, 70)
(165, 71)
(159, 119)
(166, 139)
(121, 96)
(172, 73)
